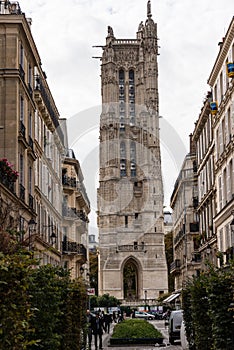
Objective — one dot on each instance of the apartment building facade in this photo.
(186, 259)
(32, 139)
(221, 81)
(213, 204)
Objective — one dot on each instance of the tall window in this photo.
(122, 159)
(131, 97)
(229, 125)
(221, 85)
(21, 109)
(30, 180)
(122, 99)
(21, 56)
(220, 193)
(133, 159)
(21, 167)
(30, 124)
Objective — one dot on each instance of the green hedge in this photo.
(134, 328)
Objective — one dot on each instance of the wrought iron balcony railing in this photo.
(69, 181)
(22, 128)
(7, 183)
(175, 266)
(22, 192)
(30, 201)
(75, 248)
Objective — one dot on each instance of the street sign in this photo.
(90, 291)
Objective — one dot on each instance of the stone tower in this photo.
(132, 263)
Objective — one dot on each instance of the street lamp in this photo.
(53, 236)
(145, 298)
(31, 228)
(81, 270)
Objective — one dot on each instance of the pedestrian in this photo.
(114, 317)
(89, 318)
(97, 328)
(107, 321)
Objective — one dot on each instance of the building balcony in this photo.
(175, 266)
(69, 181)
(9, 184)
(43, 99)
(69, 247)
(69, 212)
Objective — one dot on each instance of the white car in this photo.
(144, 315)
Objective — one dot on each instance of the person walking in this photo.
(97, 328)
(107, 321)
(89, 318)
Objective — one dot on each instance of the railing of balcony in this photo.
(21, 72)
(30, 142)
(131, 248)
(69, 181)
(30, 201)
(46, 98)
(74, 247)
(22, 128)
(30, 91)
(175, 265)
(22, 192)
(7, 183)
(179, 235)
(69, 212)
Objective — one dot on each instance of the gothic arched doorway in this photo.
(130, 280)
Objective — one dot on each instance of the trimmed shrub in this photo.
(134, 331)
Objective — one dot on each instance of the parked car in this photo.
(174, 325)
(144, 315)
(157, 315)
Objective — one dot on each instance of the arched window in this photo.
(131, 95)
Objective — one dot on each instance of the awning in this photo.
(171, 297)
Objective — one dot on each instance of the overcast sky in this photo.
(189, 32)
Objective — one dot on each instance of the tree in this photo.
(16, 312)
(169, 256)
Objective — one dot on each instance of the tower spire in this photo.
(149, 9)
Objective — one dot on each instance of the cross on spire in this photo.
(149, 9)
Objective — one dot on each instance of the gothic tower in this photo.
(132, 263)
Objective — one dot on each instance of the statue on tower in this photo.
(110, 31)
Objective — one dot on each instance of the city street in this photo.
(159, 324)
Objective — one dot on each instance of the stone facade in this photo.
(132, 262)
(34, 139)
(211, 195)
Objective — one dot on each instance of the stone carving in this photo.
(141, 26)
